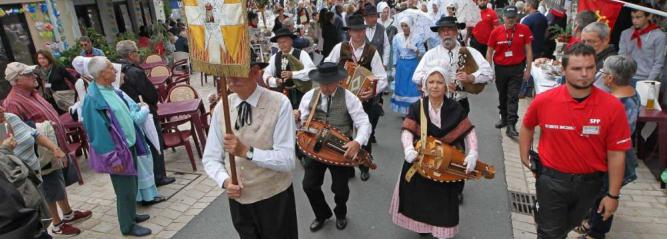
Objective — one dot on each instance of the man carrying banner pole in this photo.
(261, 198)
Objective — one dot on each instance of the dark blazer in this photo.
(137, 84)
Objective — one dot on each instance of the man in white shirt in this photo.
(281, 73)
(342, 110)
(446, 56)
(376, 34)
(262, 141)
(357, 51)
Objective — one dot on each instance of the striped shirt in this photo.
(25, 137)
(32, 108)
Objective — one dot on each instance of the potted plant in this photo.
(560, 34)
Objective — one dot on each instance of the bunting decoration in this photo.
(218, 37)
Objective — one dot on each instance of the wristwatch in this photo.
(249, 154)
(613, 197)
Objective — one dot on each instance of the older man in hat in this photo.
(341, 109)
(366, 55)
(25, 102)
(446, 55)
(511, 53)
(289, 74)
(261, 203)
(376, 34)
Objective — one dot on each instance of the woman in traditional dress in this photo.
(387, 20)
(422, 205)
(407, 48)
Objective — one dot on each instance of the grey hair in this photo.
(96, 65)
(600, 28)
(125, 47)
(622, 68)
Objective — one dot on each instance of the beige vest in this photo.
(258, 183)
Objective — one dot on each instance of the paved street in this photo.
(484, 214)
(198, 208)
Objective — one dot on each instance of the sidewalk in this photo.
(642, 212)
(187, 197)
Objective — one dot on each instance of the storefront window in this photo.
(15, 39)
(89, 16)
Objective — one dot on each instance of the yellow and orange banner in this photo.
(218, 36)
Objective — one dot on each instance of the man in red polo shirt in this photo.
(483, 28)
(511, 52)
(584, 133)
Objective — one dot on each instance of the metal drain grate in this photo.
(523, 203)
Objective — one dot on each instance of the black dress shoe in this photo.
(352, 173)
(372, 140)
(500, 124)
(317, 224)
(138, 231)
(139, 218)
(341, 223)
(364, 176)
(165, 181)
(511, 131)
(425, 234)
(156, 200)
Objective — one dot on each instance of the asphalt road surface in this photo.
(484, 213)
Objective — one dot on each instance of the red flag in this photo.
(606, 10)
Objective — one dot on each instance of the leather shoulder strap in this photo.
(316, 94)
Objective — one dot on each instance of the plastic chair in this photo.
(174, 137)
(181, 64)
(181, 93)
(160, 71)
(153, 59)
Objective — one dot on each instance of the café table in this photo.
(542, 80)
(660, 117)
(193, 108)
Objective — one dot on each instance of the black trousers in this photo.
(159, 170)
(374, 110)
(294, 97)
(274, 217)
(563, 201)
(508, 83)
(478, 46)
(599, 228)
(312, 186)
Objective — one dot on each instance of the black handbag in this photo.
(69, 173)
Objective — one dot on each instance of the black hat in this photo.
(447, 22)
(511, 12)
(370, 10)
(254, 60)
(282, 32)
(355, 22)
(327, 72)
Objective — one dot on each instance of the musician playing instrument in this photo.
(262, 203)
(365, 55)
(288, 69)
(447, 56)
(342, 110)
(423, 205)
